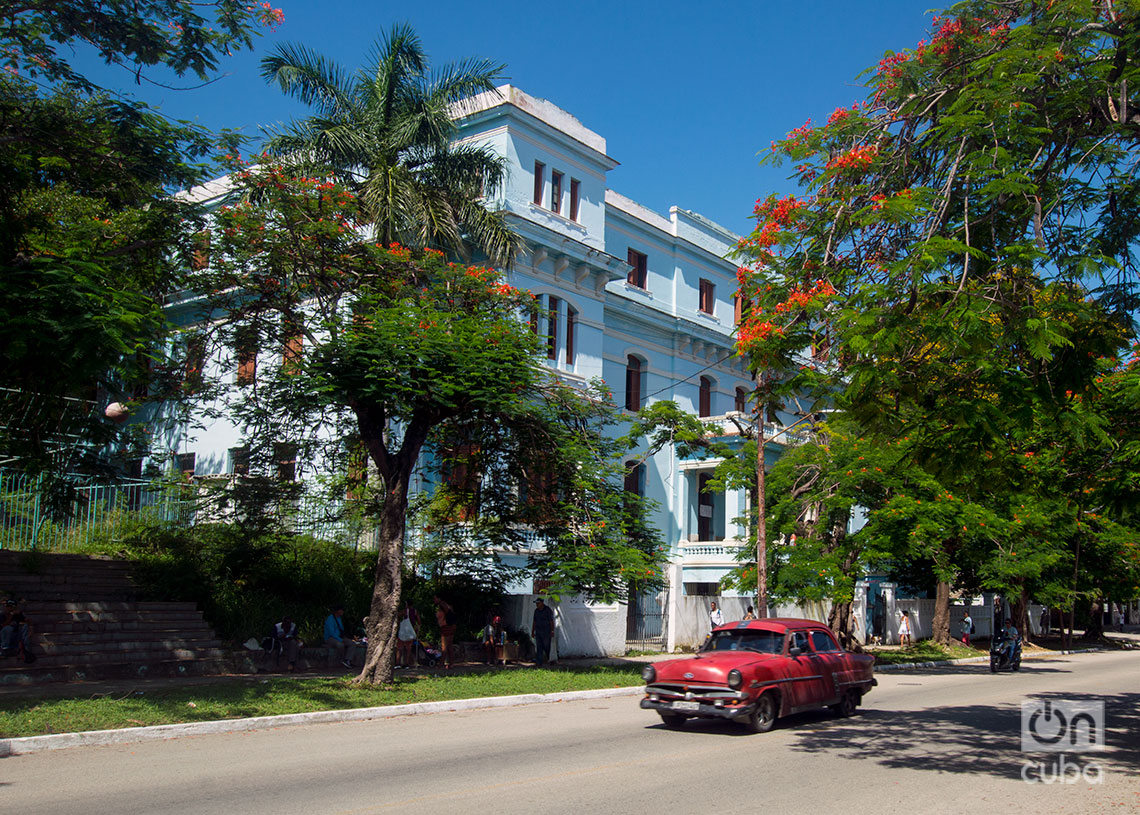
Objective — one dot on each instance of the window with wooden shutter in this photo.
(632, 383)
(639, 273)
(556, 192)
(575, 192)
(707, 296)
(706, 388)
(539, 181)
(571, 331)
(246, 357)
(552, 328)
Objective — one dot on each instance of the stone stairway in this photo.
(87, 624)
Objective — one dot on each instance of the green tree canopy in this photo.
(965, 249)
(388, 353)
(90, 237)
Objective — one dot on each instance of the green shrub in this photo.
(245, 582)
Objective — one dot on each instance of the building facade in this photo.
(641, 300)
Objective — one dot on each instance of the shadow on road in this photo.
(967, 740)
(971, 739)
(1036, 666)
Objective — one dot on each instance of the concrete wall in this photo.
(690, 621)
(583, 629)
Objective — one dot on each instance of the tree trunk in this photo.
(839, 620)
(1021, 613)
(1094, 628)
(396, 471)
(383, 614)
(940, 622)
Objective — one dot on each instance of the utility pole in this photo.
(761, 516)
(762, 499)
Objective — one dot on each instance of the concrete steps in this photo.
(86, 624)
(64, 577)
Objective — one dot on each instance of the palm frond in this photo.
(489, 232)
(464, 78)
(309, 77)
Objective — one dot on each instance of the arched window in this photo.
(740, 405)
(633, 374)
(705, 405)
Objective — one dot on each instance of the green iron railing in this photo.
(73, 514)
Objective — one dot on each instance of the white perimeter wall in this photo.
(583, 629)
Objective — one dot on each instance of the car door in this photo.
(807, 672)
(833, 662)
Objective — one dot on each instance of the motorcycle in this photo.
(1000, 658)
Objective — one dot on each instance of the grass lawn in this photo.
(243, 697)
(926, 651)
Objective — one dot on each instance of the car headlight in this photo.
(648, 673)
(735, 679)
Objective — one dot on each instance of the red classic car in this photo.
(755, 671)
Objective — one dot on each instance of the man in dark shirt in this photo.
(542, 629)
(14, 631)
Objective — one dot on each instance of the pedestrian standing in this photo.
(448, 624)
(750, 614)
(406, 641)
(542, 629)
(967, 627)
(904, 629)
(715, 617)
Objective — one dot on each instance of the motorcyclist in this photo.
(1011, 637)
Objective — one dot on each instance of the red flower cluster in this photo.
(857, 158)
(841, 113)
(755, 330)
(797, 138)
(267, 15)
(802, 299)
(890, 70)
(773, 215)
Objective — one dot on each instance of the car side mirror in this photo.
(795, 651)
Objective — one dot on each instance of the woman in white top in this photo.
(405, 642)
(904, 629)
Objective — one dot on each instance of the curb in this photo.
(95, 738)
(942, 663)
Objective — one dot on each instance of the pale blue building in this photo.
(643, 300)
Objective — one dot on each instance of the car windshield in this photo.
(764, 642)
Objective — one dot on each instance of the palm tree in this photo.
(387, 132)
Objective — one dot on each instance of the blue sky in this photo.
(685, 94)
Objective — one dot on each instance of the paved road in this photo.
(943, 740)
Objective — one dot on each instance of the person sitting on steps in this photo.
(336, 640)
(15, 633)
(285, 638)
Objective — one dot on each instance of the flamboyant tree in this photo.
(383, 354)
(964, 249)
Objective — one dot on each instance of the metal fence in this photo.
(71, 513)
(74, 513)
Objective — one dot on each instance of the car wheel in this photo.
(763, 716)
(847, 704)
(673, 721)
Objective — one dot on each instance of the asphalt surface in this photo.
(936, 740)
